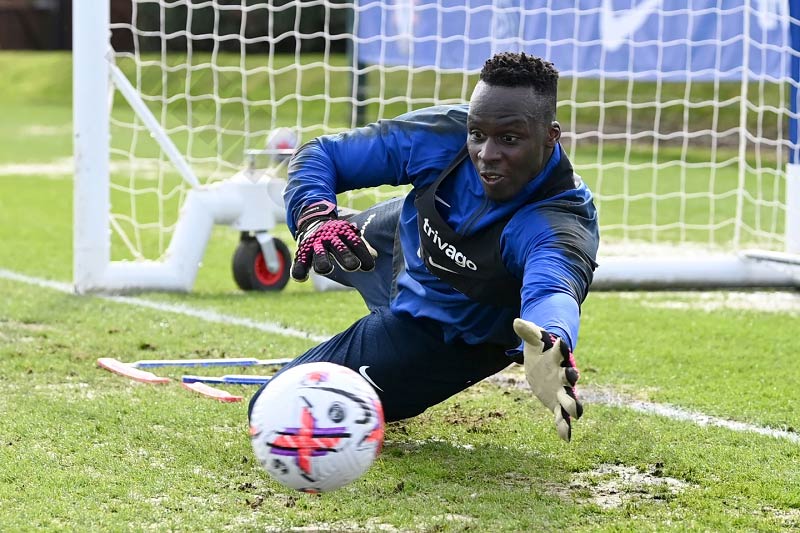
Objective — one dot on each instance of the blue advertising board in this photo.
(670, 40)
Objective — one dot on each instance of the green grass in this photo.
(27, 130)
(90, 450)
(82, 449)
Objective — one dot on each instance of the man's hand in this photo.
(322, 236)
(551, 373)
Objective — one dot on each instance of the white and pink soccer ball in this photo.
(317, 427)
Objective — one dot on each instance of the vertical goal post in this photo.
(247, 201)
(683, 121)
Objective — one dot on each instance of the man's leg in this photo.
(406, 361)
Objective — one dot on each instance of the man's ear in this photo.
(553, 133)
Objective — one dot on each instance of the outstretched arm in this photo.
(332, 164)
(322, 168)
(390, 152)
(549, 329)
(555, 258)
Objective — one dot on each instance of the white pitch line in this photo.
(203, 314)
(604, 397)
(591, 395)
(613, 399)
(39, 282)
(213, 316)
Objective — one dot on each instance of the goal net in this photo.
(682, 120)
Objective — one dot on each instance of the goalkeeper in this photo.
(484, 263)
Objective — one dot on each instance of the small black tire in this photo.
(250, 270)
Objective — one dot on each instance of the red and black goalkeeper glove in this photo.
(552, 374)
(321, 235)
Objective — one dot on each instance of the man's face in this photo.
(508, 142)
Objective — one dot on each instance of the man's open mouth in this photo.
(490, 178)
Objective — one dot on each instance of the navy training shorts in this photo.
(405, 359)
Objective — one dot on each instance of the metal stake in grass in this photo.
(199, 385)
(133, 370)
(212, 392)
(233, 361)
(233, 379)
(129, 371)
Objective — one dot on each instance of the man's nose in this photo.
(490, 151)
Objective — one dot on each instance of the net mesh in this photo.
(690, 153)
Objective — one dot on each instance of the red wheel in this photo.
(264, 276)
(250, 270)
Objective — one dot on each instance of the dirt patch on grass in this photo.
(788, 518)
(608, 486)
(14, 331)
(345, 527)
(13, 325)
(611, 486)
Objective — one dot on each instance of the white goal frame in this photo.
(253, 203)
(245, 202)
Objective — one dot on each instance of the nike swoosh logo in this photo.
(616, 27)
(440, 267)
(363, 371)
(366, 223)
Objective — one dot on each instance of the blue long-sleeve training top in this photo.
(549, 245)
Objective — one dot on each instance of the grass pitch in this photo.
(82, 449)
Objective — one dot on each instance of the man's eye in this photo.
(509, 139)
(476, 135)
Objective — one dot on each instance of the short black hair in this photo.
(511, 69)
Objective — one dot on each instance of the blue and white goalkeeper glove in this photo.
(551, 373)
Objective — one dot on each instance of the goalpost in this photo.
(684, 122)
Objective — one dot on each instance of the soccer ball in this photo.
(317, 427)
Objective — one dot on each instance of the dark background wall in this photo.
(35, 24)
(47, 25)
